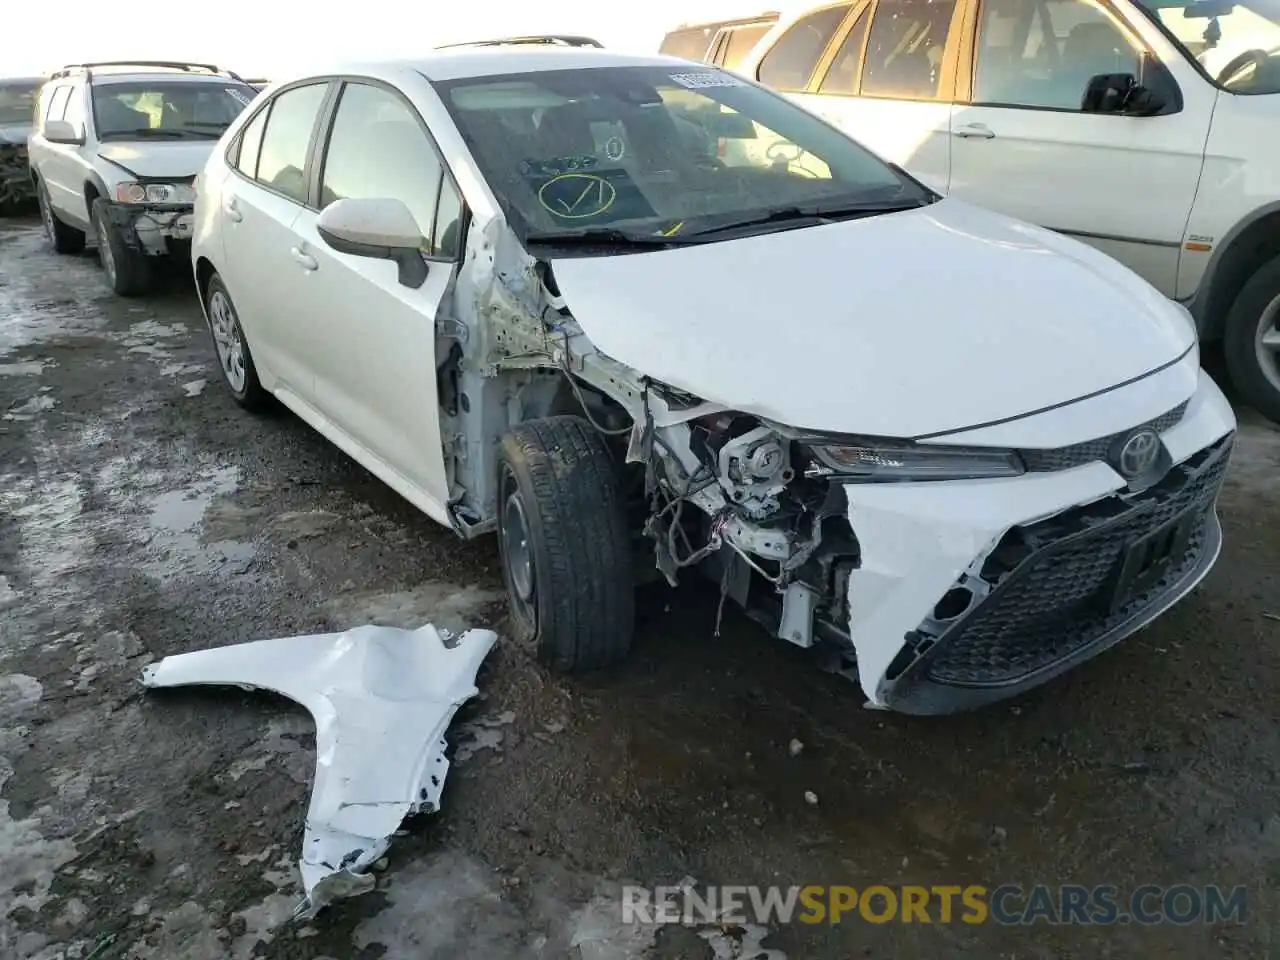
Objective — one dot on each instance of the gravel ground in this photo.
(143, 514)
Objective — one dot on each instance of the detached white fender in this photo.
(381, 699)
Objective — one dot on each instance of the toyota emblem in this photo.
(1139, 453)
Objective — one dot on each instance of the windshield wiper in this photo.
(605, 238)
(144, 132)
(814, 214)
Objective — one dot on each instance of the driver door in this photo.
(374, 339)
(1021, 145)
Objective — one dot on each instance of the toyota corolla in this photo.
(557, 295)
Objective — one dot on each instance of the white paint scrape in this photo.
(381, 698)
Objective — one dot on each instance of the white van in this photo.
(1147, 128)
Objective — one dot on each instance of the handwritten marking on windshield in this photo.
(577, 196)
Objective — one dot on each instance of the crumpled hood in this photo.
(899, 325)
(14, 132)
(179, 159)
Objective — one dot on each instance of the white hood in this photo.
(159, 158)
(898, 325)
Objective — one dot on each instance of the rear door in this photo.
(59, 163)
(375, 337)
(889, 80)
(265, 270)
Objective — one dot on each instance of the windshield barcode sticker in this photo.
(698, 81)
(240, 95)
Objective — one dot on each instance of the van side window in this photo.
(904, 49)
(790, 62)
(740, 42)
(1043, 53)
(842, 77)
(687, 44)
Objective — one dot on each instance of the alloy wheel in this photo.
(1267, 342)
(228, 339)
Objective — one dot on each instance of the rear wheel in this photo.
(65, 239)
(566, 556)
(128, 271)
(234, 358)
(1251, 340)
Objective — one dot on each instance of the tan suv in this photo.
(722, 42)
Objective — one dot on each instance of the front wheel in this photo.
(562, 533)
(128, 270)
(1251, 340)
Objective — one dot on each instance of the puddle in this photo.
(176, 522)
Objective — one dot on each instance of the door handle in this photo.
(976, 131)
(308, 262)
(232, 211)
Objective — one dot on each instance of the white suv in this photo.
(115, 153)
(1146, 128)
(521, 288)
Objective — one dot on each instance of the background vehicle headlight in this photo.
(887, 460)
(154, 193)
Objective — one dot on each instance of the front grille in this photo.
(1077, 454)
(1054, 581)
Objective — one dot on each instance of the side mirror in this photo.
(1120, 93)
(381, 229)
(60, 131)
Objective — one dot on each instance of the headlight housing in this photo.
(871, 459)
(131, 192)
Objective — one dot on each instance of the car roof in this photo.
(20, 81)
(144, 76)
(460, 63)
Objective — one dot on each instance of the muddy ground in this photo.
(143, 514)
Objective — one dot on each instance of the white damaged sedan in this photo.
(632, 313)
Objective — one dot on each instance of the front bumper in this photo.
(972, 592)
(153, 229)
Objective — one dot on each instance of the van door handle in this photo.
(308, 262)
(976, 131)
(232, 211)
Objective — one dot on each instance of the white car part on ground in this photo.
(381, 699)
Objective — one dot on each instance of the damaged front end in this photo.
(938, 575)
(154, 218)
(16, 186)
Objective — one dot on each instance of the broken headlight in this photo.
(890, 460)
(130, 192)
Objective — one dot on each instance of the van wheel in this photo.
(128, 271)
(1251, 341)
(562, 534)
(65, 239)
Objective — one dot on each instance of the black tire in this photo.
(578, 611)
(224, 328)
(65, 239)
(1255, 305)
(128, 270)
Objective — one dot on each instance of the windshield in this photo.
(645, 151)
(18, 102)
(1236, 44)
(194, 110)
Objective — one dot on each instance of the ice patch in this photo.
(194, 388)
(28, 410)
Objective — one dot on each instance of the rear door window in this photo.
(282, 163)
